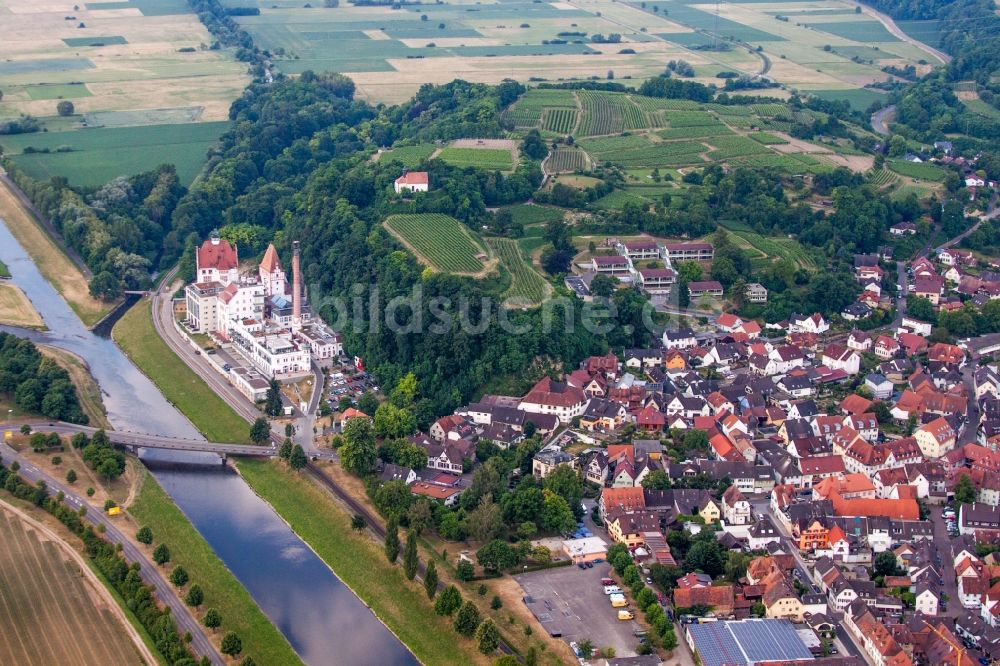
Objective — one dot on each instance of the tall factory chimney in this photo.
(296, 289)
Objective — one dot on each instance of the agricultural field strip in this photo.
(58, 601)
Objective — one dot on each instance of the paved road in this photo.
(163, 321)
(150, 572)
(891, 26)
(143, 440)
(880, 119)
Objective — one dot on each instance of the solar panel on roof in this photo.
(747, 642)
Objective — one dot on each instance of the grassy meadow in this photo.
(261, 640)
(216, 420)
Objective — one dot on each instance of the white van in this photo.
(612, 589)
(617, 597)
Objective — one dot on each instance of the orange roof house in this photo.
(623, 499)
(899, 509)
(855, 404)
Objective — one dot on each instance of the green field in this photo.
(527, 287)
(920, 170)
(57, 91)
(859, 98)
(76, 42)
(982, 108)
(261, 640)
(440, 241)
(99, 155)
(481, 158)
(532, 214)
(358, 561)
(410, 156)
(136, 335)
(616, 200)
(859, 31)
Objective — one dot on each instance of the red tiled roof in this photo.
(220, 255)
(413, 178)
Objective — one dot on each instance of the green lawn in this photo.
(920, 170)
(358, 561)
(261, 640)
(136, 335)
(58, 91)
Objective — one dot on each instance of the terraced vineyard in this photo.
(881, 178)
(440, 241)
(734, 146)
(694, 132)
(637, 151)
(773, 248)
(560, 120)
(527, 287)
(567, 160)
(600, 115)
(522, 117)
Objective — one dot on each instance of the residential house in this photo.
(885, 347)
(756, 293)
(556, 398)
(736, 510)
(839, 357)
(546, 461)
(705, 288)
(935, 438)
(859, 341)
(880, 387)
(814, 324)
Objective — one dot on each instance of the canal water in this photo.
(321, 617)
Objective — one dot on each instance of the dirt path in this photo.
(891, 26)
(91, 579)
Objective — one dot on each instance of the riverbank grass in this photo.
(261, 640)
(209, 413)
(360, 563)
(51, 261)
(17, 310)
(4, 271)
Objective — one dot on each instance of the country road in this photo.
(149, 572)
(881, 118)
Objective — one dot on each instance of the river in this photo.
(321, 617)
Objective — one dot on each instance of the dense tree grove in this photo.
(35, 383)
(970, 32)
(118, 230)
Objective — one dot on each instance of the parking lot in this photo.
(571, 602)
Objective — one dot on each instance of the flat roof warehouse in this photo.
(746, 642)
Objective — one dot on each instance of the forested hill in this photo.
(297, 166)
(970, 32)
